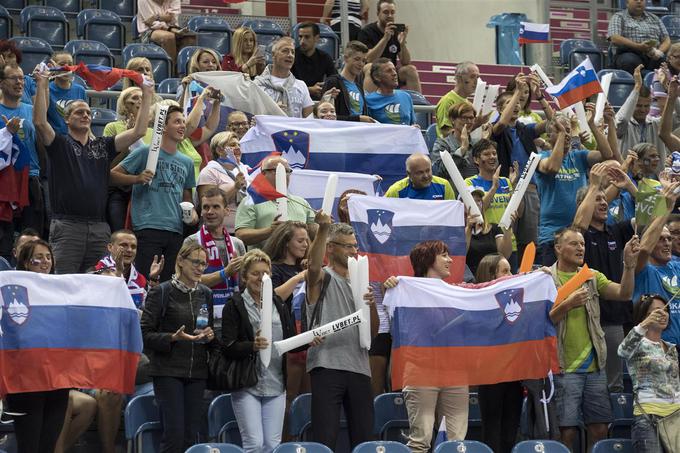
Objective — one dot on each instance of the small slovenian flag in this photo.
(533, 33)
(579, 84)
(261, 190)
(101, 77)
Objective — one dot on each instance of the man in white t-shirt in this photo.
(279, 83)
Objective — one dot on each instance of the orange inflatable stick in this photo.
(528, 258)
(573, 284)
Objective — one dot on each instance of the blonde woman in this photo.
(203, 60)
(244, 56)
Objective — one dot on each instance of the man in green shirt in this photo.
(467, 74)
(256, 222)
(581, 390)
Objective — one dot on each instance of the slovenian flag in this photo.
(533, 33)
(579, 84)
(446, 335)
(261, 190)
(336, 146)
(54, 334)
(101, 77)
(388, 228)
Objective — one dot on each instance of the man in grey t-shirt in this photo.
(339, 367)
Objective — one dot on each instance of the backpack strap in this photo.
(316, 314)
(165, 289)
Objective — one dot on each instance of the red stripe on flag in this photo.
(579, 94)
(381, 267)
(37, 370)
(473, 365)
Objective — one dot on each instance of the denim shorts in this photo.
(582, 398)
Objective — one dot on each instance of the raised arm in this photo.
(375, 53)
(603, 152)
(666, 130)
(506, 114)
(211, 123)
(326, 15)
(125, 139)
(625, 113)
(584, 213)
(316, 255)
(42, 126)
(653, 232)
(551, 165)
(404, 54)
(609, 120)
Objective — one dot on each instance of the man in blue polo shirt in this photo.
(420, 184)
(388, 105)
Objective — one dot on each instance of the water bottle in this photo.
(675, 162)
(202, 320)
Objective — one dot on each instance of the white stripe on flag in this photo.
(409, 212)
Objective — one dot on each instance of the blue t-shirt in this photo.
(356, 100)
(29, 90)
(26, 132)
(664, 281)
(558, 193)
(59, 97)
(156, 206)
(396, 108)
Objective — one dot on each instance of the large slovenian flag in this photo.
(343, 146)
(446, 335)
(388, 228)
(311, 185)
(533, 33)
(101, 77)
(67, 331)
(579, 84)
(240, 93)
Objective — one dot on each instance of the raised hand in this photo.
(156, 267)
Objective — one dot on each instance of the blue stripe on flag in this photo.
(402, 239)
(576, 81)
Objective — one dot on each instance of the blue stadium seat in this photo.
(672, 24)
(222, 426)
(423, 119)
(328, 40)
(614, 446)
(103, 26)
(468, 446)
(214, 448)
(379, 446)
(620, 87)
(267, 31)
(100, 118)
(14, 6)
(183, 58)
(622, 409)
(212, 32)
(474, 417)
(5, 23)
(142, 424)
(431, 135)
(70, 8)
(674, 6)
(649, 77)
(544, 446)
(45, 22)
(33, 50)
(309, 447)
(574, 51)
(160, 61)
(300, 422)
(133, 25)
(390, 417)
(89, 52)
(568, 45)
(124, 8)
(169, 86)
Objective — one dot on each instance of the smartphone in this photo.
(398, 28)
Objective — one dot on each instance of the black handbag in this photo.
(228, 374)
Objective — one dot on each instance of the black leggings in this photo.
(38, 430)
(500, 405)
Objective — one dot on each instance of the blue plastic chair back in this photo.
(378, 446)
(135, 32)
(649, 78)
(300, 414)
(545, 446)
(160, 61)
(302, 447)
(267, 31)
(5, 23)
(33, 51)
(103, 26)
(45, 22)
(622, 410)
(124, 8)
(100, 118)
(213, 32)
(89, 52)
(14, 6)
(614, 446)
(422, 118)
(214, 448)
(431, 135)
(672, 24)
(390, 417)
(468, 446)
(68, 7)
(621, 85)
(576, 57)
(183, 58)
(569, 45)
(222, 425)
(141, 409)
(169, 86)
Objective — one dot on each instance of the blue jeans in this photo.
(260, 420)
(644, 435)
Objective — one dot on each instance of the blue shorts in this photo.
(582, 398)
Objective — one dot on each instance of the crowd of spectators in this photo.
(195, 274)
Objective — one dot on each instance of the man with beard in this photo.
(312, 65)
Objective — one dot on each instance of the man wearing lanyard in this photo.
(224, 251)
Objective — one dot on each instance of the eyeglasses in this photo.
(288, 170)
(239, 124)
(197, 263)
(103, 269)
(346, 246)
(14, 79)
